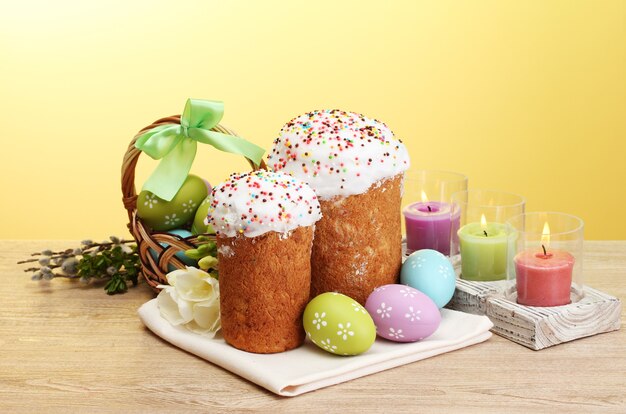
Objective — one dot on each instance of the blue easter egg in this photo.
(431, 273)
(180, 255)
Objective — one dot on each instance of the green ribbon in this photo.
(175, 145)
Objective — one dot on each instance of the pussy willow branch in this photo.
(34, 269)
(69, 252)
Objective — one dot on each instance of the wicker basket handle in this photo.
(129, 192)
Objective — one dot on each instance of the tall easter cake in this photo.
(265, 223)
(356, 167)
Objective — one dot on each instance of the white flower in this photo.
(328, 346)
(170, 309)
(395, 334)
(189, 206)
(407, 293)
(358, 308)
(444, 271)
(151, 200)
(192, 299)
(319, 321)
(384, 311)
(417, 262)
(171, 220)
(344, 332)
(413, 315)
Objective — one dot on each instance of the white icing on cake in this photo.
(226, 251)
(258, 202)
(338, 153)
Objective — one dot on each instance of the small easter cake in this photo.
(265, 224)
(356, 167)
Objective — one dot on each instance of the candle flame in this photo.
(424, 197)
(545, 235)
(483, 222)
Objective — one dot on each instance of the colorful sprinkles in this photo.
(261, 201)
(338, 152)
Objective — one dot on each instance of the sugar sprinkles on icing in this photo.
(260, 201)
(338, 152)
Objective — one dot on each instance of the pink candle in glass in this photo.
(544, 278)
(430, 225)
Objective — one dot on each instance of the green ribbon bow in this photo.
(175, 145)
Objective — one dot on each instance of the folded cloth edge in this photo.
(294, 390)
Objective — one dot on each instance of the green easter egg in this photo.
(338, 324)
(198, 226)
(161, 215)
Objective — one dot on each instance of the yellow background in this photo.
(523, 96)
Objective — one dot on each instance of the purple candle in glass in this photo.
(431, 225)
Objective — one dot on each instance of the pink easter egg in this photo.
(402, 313)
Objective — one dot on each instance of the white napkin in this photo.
(308, 368)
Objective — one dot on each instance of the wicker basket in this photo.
(153, 270)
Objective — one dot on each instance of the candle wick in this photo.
(485, 231)
(544, 250)
(429, 209)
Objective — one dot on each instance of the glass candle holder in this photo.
(431, 219)
(548, 262)
(485, 240)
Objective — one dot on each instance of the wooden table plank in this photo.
(67, 347)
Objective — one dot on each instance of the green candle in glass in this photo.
(484, 250)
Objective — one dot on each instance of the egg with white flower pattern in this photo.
(338, 324)
(402, 314)
(431, 273)
(161, 215)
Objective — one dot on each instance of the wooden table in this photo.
(66, 347)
